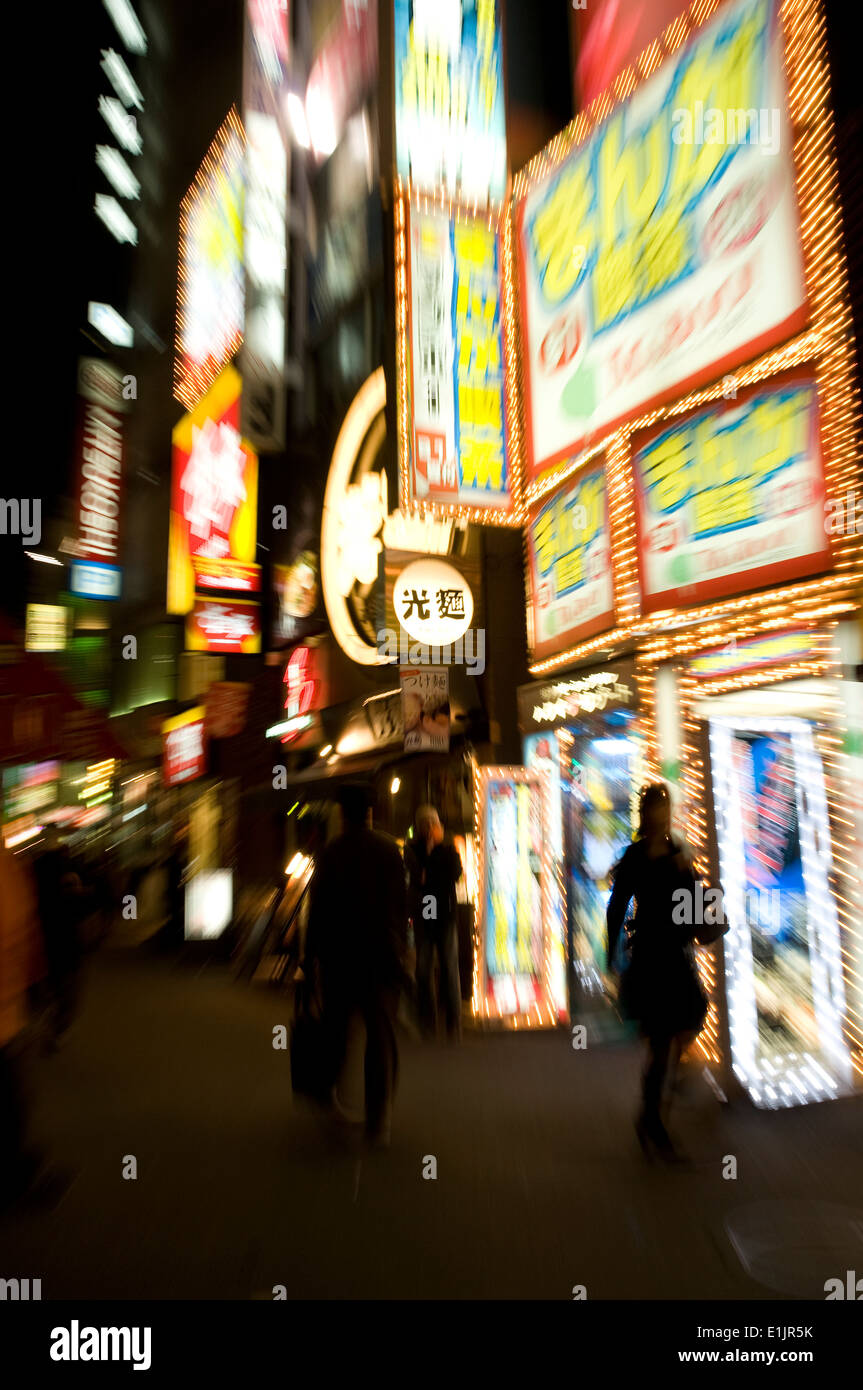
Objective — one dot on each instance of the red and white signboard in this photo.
(214, 498)
(184, 747)
(100, 472)
(732, 497)
(223, 625)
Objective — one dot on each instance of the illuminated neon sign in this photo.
(450, 124)
(645, 238)
(732, 497)
(456, 356)
(571, 583)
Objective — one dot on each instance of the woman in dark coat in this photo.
(659, 987)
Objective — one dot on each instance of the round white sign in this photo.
(433, 602)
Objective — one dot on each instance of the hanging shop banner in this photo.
(425, 703)
(456, 383)
(184, 747)
(665, 249)
(211, 287)
(265, 63)
(571, 581)
(100, 472)
(223, 625)
(214, 498)
(733, 498)
(450, 123)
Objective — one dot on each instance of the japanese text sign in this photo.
(456, 382)
(450, 122)
(214, 496)
(665, 249)
(572, 589)
(732, 498)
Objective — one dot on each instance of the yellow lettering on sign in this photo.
(481, 462)
(562, 232)
(474, 245)
(479, 407)
(667, 472)
(479, 353)
(545, 539)
(732, 504)
(777, 432)
(630, 176)
(665, 250)
(569, 570)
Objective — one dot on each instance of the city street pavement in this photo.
(540, 1183)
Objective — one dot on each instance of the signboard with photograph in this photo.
(425, 702)
(732, 498)
(664, 250)
(571, 579)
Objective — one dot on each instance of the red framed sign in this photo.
(732, 498)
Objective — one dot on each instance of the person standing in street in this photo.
(356, 942)
(63, 903)
(434, 868)
(22, 965)
(659, 986)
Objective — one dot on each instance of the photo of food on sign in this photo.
(425, 702)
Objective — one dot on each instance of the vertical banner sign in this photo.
(664, 250)
(184, 747)
(513, 907)
(456, 356)
(265, 219)
(425, 705)
(571, 580)
(100, 481)
(214, 498)
(732, 498)
(211, 290)
(450, 123)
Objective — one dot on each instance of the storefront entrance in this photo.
(783, 972)
(593, 758)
